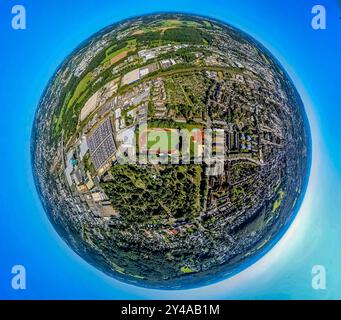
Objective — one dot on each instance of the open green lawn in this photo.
(186, 270)
(278, 201)
(169, 23)
(131, 45)
(167, 140)
(114, 54)
(163, 139)
(80, 92)
(81, 88)
(189, 23)
(207, 24)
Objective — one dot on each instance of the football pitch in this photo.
(162, 140)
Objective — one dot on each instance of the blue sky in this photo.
(54, 28)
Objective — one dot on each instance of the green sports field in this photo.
(163, 139)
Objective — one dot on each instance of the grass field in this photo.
(168, 24)
(81, 88)
(80, 92)
(164, 139)
(131, 45)
(278, 201)
(171, 23)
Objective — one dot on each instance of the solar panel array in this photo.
(101, 144)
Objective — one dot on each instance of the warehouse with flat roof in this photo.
(101, 144)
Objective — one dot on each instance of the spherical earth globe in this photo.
(171, 150)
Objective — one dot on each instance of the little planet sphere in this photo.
(171, 150)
